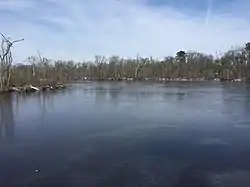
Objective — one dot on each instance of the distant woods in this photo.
(233, 64)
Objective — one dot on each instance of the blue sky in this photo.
(79, 29)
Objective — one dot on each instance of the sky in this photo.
(80, 29)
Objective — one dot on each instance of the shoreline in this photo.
(163, 80)
(62, 86)
(31, 88)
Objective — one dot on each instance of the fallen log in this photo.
(34, 88)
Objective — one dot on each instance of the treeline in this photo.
(234, 64)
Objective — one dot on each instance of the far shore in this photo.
(28, 88)
(89, 79)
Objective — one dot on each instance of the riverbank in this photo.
(87, 79)
(60, 86)
(31, 88)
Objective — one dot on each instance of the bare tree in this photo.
(6, 61)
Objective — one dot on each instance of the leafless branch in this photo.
(4, 37)
(9, 45)
(19, 40)
(39, 56)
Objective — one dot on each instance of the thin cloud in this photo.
(209, 10)
(80, 29)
